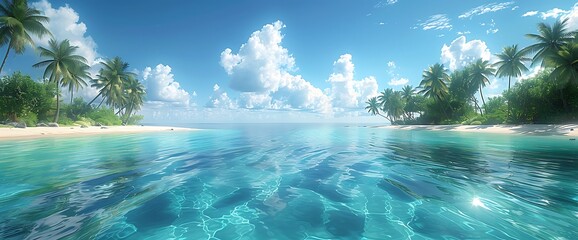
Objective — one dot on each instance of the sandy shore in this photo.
(534, 129)
(38, 132)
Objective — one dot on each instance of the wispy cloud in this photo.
(436, 22)
(530, 13)
(381, 4)
(487, 8)
(553, 13)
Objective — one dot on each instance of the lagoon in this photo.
(290, 181)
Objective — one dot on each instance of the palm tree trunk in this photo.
(508, 112)
(387, 118)
(100, 103)
(564, 102)
(5, 56)
(476, 103)
(98, 95)
(128, 113)
(483, 101)
(57, 103)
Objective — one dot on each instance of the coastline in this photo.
(530, 129)
(42, 132)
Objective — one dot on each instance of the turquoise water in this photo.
(290, 182)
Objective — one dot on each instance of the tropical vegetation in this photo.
(445, 97)
(25, 100)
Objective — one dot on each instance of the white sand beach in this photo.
(38, 132)
(532, 129)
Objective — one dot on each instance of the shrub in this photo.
(134, 120)
(104, 116)
(29, 118)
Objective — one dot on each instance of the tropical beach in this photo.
(377, 119)
(570, 130)
(76, 131)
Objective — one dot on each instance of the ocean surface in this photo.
(290, 181)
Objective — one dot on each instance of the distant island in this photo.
(450, 98)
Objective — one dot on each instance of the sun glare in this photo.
(476, 202)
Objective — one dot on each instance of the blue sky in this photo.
(272, 61)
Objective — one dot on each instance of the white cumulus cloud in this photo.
(553, 13)
(398, 81)
(161, 86)
(220, 99)
(461, 52)
(65, 24)
(346, 92)
(572, 17)
(262, 66)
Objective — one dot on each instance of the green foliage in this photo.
(77, 109)
(539, 100)
(134, 119)
(496, 110)
(104, 116)
(30, 119)
(20, 95)
(17, 24)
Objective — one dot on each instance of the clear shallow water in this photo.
(290, 182)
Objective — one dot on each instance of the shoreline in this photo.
(569, 130)
(75, 131)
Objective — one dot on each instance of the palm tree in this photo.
(78, 80)
(395, 106)
(511, 64)
(373, 107)
(63, 67)
(110, 81)
(407, 93)
(383, 99)
(134, 95)
(481, 71)
(434, 83)
(17, 22)
(565, 64)
(549, 40)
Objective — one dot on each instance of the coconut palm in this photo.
(480, 73)
(407, 94)
(565, 64)
(549, 40)
(434, 82)
(63, 67)
(78, 81)
(383, 99)
(511, 64)
(17, 22)
(373, 106)
(134, 96)
(110, 81)
(395, 106)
